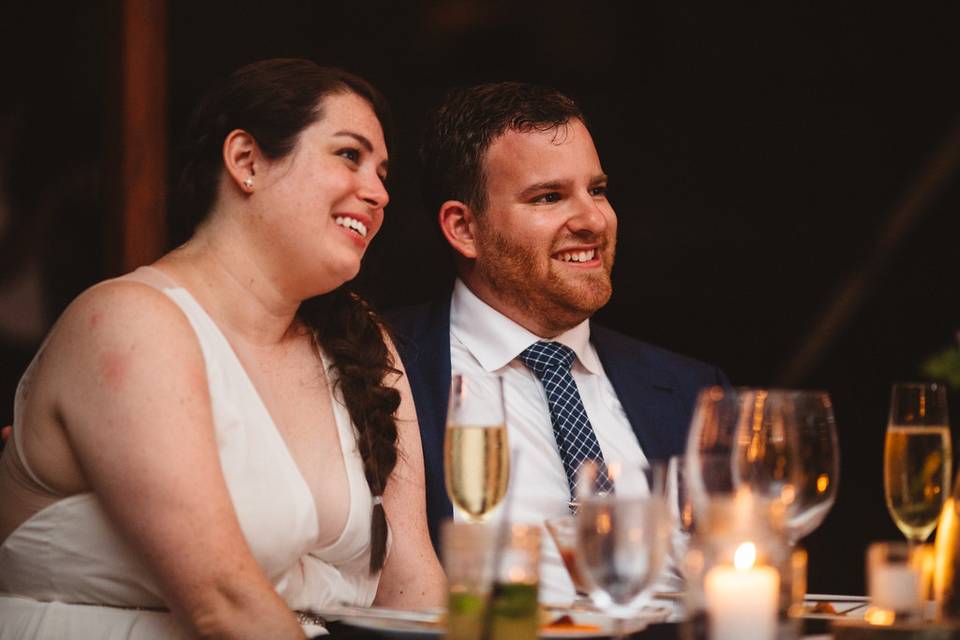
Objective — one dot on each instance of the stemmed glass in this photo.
(621, 542)
(680, 510)
(917, 458)
(780, 445)
(476, 455)
(819, 463)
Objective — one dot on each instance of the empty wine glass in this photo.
(621, 542)
(781, 445)
(680, 511)
(819, 468)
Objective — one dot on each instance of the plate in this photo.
(605, 625)
(846, 607)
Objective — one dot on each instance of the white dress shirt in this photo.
(484, 341)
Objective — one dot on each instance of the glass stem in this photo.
(618, 628)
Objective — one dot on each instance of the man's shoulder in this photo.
(414, 321)
(619, 346)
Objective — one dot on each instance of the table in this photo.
(661, 631)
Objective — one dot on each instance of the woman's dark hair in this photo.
(274, 101)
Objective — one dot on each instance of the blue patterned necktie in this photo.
(551, 362)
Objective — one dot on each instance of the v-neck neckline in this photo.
(334, 408)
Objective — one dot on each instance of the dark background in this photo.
(756, 154)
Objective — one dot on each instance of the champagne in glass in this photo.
(917, 458)
(476, 455)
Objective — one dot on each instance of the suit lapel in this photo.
(649, 394)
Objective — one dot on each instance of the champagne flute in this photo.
(476, 455)
(621, 542)
(917, 458)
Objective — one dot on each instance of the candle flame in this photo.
(880, 617)
(745, 556)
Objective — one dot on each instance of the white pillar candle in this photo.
(895, 587)
(742, 599)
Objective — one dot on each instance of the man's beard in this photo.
(527, 283)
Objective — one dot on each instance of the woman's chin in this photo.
(336, 278)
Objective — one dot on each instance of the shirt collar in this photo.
(495, 340)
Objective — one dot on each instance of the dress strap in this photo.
(22, 459)
(152, 277)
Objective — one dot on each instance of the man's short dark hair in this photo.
(465, 125)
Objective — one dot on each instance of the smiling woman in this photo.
(226, 435)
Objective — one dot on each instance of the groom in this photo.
(520, 196)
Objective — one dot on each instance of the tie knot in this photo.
(543, 356)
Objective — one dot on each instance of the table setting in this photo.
(760, 472)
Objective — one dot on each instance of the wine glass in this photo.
(621, 541)
(778, 444)
(680, 511)
(819, 463)
(917, 458)
(476, 455)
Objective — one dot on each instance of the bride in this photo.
(208, 443)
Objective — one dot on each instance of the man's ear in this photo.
(240, 157)
(459, 225)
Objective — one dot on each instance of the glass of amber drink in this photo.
(563, 532)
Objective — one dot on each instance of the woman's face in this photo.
(323, 203)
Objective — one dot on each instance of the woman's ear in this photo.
(458, 224)
(240, 157)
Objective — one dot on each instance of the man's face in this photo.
(546, 240)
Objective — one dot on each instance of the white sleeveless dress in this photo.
(66, 572)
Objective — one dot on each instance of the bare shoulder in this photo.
(117, 309)
(119, 349)
(121, 336)
(117, 316)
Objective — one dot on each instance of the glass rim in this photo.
(768, 390)
(935, 385)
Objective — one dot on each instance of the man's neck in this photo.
(542, 324)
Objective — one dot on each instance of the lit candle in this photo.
(895, 587)
(742, 599)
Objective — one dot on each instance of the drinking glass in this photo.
(680, 511)
(563, 532)
(621, 542)
(819, 463)
(476, 455)
(917, 458)
(466, 561)
(778, 444)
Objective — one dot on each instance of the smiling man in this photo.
(521, 198)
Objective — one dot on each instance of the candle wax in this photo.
(742, 603)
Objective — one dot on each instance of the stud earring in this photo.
(248, 182)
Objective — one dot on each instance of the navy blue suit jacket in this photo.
(657, 389)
